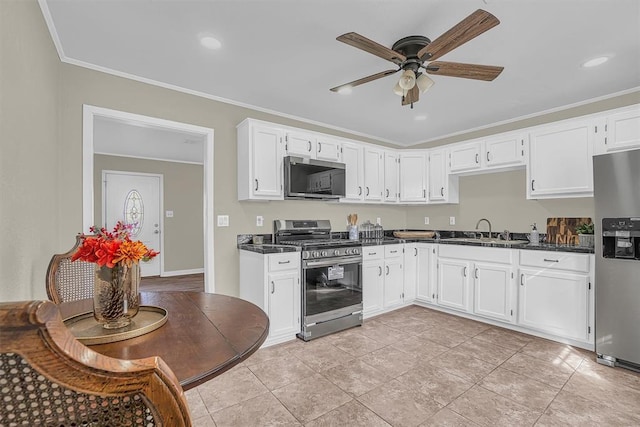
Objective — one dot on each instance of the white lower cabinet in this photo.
(493, 291)
(426, 278)
(477, 280)
(393, 276)
(272, 282)
(372, 280)
(555, 293)
(382, 278)
(453, 284)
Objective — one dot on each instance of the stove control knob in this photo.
(355, 251)
(324, 253)
(314, 254)
(336, 252)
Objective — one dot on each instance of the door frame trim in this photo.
(90, 112)
(160, 205)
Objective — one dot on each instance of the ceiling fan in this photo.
(413, 53)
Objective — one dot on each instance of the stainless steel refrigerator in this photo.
(617, 252)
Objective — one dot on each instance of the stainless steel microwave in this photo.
(313, 179)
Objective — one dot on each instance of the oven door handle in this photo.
(332, 261)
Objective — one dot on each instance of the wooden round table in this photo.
(205, 334)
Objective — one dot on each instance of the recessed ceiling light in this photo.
(345, 90)
(420, 118)
(595, 61)
(210, 42)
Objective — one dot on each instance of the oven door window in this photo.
(332, 287)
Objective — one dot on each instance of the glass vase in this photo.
(116, 296)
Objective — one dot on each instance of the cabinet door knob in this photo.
(464, 272)
(256, 184)
(387, 270)
(387, 192)
(488, 159)
(532, 187)
(273, 287)
(319, 147)
(359, 191)
(309, 146)
(477, 158)
(442, 191)
(416, 251)
(476, 273)
(522, 280)
(367, 191)
(379, 271)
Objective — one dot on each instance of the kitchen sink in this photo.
(485, 241)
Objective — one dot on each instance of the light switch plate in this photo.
(426, 220)
(259, 221)
(452, 220)
(223, 220)
(169, 214)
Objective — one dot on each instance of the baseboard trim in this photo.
(182, 272)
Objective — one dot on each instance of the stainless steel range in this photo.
(331, 276)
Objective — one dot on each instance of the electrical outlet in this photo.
(378, 221)
(452, 220)
(426, 220)
(169, 214)
(223, 220)
(259, 221)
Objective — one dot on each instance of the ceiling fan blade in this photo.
(412, 96)
(467, 71)
(364, 80)
(470, 27)
(361, 42)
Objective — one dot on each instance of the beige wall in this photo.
(183, 193)
(501, 198)
(42, 154)
(29, 156)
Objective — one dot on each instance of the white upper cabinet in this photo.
(622, 130)
(328, 149)
(560, 163)
(413, 176)
(506, 150)
(390, 176)
(300, 144)
(443, 187)
(373, 174)
(465, 157)
(353, 158)
(260, 154)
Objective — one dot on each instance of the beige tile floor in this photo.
(420, 367)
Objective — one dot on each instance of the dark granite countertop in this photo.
(268, 248)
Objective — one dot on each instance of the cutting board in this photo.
(414, 234)
(562, 231)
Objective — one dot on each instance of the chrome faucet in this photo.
(484, 219)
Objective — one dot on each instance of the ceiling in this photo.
(282, 56)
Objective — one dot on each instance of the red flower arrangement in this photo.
(110, 248)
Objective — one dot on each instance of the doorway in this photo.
(93, 116)
(135, 199)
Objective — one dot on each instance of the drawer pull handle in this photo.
(284, 262)
(393, 252)
(552, 260)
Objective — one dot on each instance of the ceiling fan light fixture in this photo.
(398, 90)
(595, 61)
(210, 42)
(424, 83)
(407, 80)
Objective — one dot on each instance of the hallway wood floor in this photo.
(188, 282)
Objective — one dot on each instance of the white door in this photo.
(134, 198)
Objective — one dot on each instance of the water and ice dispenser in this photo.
(621, 238)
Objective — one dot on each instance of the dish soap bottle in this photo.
(534, 237)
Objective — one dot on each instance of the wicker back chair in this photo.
(69, 281)
(50, 378)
